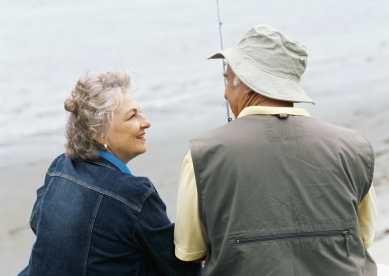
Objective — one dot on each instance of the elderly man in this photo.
(275, 192)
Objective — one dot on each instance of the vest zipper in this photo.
(344, 233)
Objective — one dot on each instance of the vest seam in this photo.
(195, 169)
(371, 164)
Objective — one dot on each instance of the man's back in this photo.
(280, 197)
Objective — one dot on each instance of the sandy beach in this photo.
(46, 46)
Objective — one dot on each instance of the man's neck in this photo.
(255, 99)
(276, 103)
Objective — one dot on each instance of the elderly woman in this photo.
(92, 216)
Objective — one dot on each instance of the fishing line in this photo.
(223, 61)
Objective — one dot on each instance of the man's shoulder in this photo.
(231, 126)
(309, 124)
(335, 128)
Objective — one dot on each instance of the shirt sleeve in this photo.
(367, 217)
(190, 239)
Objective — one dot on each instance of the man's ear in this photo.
(248, 91)
(245, 89)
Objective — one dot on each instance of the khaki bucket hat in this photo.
(269, 63)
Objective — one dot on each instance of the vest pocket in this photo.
(318, 234)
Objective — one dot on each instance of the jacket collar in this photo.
(111, 161)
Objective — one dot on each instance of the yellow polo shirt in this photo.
(189, 236)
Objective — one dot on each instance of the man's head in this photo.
(269, 63)
(240, 95)
(234, 91)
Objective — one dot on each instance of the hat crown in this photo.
(270, 63)
(272, 51)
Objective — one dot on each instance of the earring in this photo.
(106, 146)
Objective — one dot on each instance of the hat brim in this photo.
(261, 81)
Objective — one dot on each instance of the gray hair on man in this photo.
(236, 81)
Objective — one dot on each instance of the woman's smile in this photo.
(128, 137)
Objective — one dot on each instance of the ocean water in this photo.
(45, 46)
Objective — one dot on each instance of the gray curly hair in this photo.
(92, 104)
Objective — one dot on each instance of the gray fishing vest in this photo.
(281, 196)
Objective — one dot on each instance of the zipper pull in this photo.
(346, 236)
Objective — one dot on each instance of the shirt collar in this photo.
(272, 110)
(115, 161)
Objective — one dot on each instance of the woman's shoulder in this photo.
(129, 189)
(104, 178)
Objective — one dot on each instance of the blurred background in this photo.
(45, 46)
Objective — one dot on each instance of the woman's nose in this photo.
(145, 123)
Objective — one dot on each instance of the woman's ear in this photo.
(99, 140)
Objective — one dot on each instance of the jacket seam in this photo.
(137, 267)
(151, 249)
(43, 199)
(81, 183)
(43, 196)
(95, 211)
(34, 211)
(112, 167)
(146, 195)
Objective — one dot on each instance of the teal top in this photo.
(115, 160)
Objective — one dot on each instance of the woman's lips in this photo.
(141, 136)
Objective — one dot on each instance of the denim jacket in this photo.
(92, 219)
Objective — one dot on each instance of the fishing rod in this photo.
(229, 119)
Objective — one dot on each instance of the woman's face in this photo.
(127, 139)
